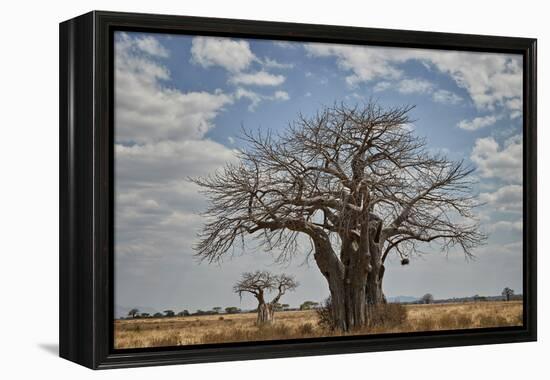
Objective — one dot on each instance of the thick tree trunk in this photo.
(356, 312)
(353, 281)
(265, 314)
(347, 287)
(348, 302)
(375, 294)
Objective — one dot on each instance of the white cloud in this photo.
(382, 86)
(151, 46)
(495, 161)
(414, 86)
(477, 123)
(491, 79)
(515, 105)
(147, 110)
(287, 44)
(163, 161)
(237, 57)
(281, 95)
(272, 64)
(506, 226)
(260, 78)
(364, 63)
(419, 86)
(155, 202)
(446, 97)
(252, 96)
(506, 198)
(233, 55)
(156, 205)
(256, 98)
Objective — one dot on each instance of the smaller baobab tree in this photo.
(133, 313)
(507, 293)
(427, 298)
(259, 284)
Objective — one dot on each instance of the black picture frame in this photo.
(86, 189)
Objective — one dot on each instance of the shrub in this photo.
(306, 329)
(324, 315)
(386, 315)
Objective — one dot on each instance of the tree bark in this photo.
(265, 314)
(347, 285)
(348, 303)
(375, 293)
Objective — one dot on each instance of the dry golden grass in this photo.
(157, 332)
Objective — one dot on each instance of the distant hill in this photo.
(402, 299)
(477, 298)
(122, 311)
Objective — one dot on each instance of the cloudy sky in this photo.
(180, 103)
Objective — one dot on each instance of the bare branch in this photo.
(356, 173)
(260, 283)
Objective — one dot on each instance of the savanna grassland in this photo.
(224, 328)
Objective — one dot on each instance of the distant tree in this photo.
(232, 310)
(278, 307)
(258, 284)
(427, 298)
(308, 305)
(184, 313)
(217, 309)
(478, 298)
(507, 293)
(144, 315)
(158, 315)
(285, 306)
(169, 313)
(133, 313)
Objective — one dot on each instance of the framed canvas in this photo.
(235, 189)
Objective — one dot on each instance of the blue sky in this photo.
(180, 103)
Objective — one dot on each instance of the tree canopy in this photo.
(326, 173)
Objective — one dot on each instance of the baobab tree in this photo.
(133, 313)
(355, 181)
(427, 298)
(507, 293)
(259, 284)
